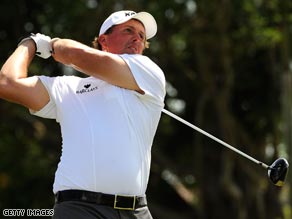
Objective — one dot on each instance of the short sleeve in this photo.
(49, 111)
(149, 77)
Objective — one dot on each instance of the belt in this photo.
(120, 202)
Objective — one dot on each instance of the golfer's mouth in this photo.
(134, 49)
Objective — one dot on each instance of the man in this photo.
(108, 120)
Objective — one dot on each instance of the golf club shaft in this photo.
(214, 138)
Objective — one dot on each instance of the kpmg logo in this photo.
(129, 14)
(86, 89)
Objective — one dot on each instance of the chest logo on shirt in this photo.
(86, 89)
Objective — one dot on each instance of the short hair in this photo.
(95, 42)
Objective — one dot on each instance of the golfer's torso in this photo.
(104, 148)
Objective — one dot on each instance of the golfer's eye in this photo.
(142, 36)
(128, 30)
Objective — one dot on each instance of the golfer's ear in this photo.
(103, 42)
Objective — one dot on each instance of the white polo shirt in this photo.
(107, 131)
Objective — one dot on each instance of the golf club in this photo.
(277, 171)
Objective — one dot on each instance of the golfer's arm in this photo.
(17, 64)
(14, 84)
(106, 66)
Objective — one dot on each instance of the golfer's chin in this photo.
(132, 51)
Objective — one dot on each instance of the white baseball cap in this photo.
(120, 17)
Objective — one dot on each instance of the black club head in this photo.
(278, 170)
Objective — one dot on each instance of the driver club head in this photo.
(277, 171)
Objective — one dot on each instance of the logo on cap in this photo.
(129, 14)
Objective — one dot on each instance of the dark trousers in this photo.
(84, 210)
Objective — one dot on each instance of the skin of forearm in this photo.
(17, 64)
(103, 65)
(63, 50)
(83, 58)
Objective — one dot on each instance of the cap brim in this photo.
(149, 23)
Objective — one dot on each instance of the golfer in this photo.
(108, 119)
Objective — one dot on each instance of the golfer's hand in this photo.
(42, 43)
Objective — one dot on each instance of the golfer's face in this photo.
(128, 38)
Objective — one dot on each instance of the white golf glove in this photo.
(43, 45)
